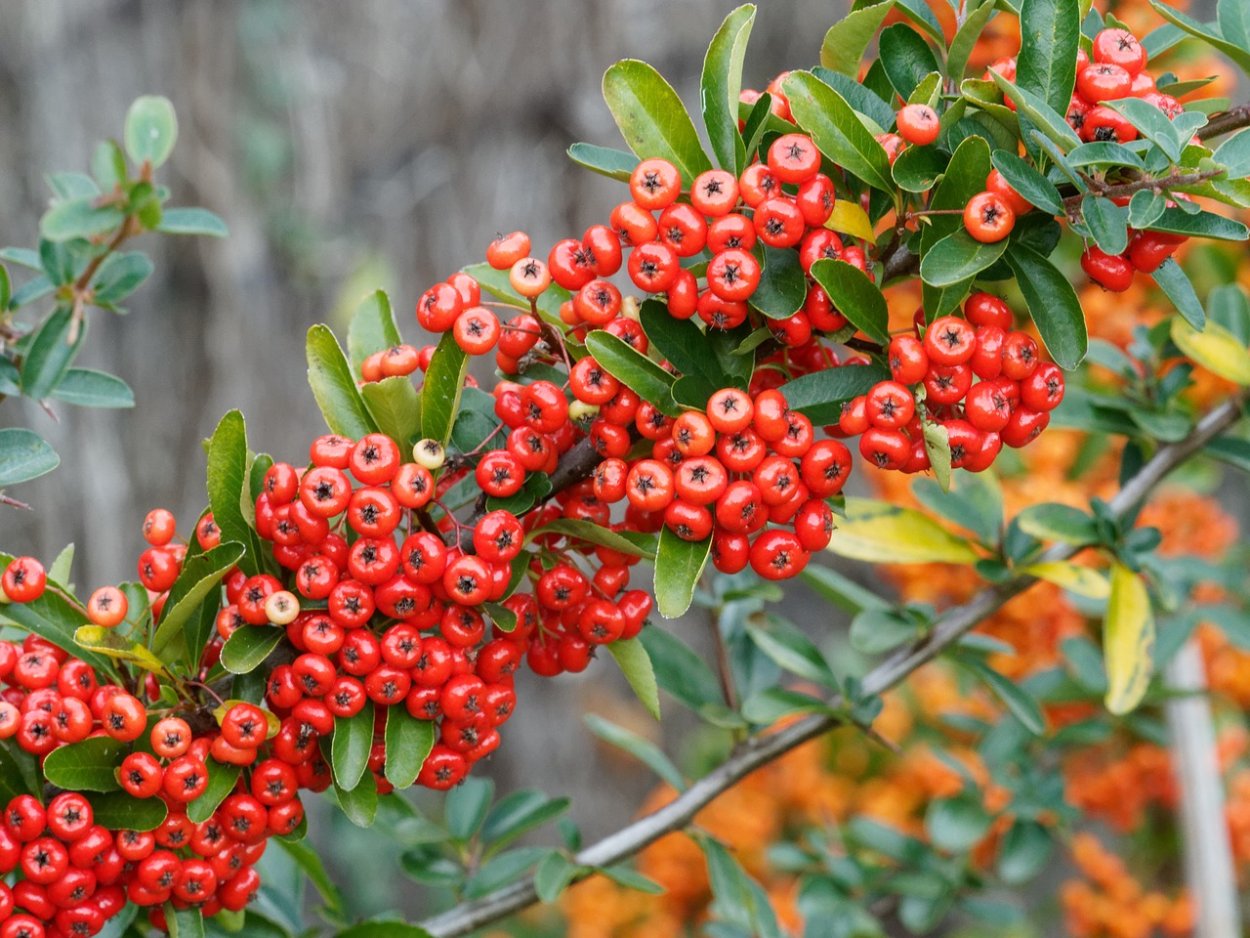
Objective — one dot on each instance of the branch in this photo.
(1226, 122)
(947, 629)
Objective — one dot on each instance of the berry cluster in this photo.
(69, 875)
(1116, 71)
(983, 383)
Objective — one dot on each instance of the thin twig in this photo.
(760, 750)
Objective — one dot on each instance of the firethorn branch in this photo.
(1226, 122)
(947, 629)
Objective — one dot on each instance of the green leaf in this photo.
(359, 804)
(117, 810)
(395, 407)
(1176, 285)
(882, 533)
(201, 574)
(631, 656)
(1049, 122)
(771, 704)
(721, 84)
(408, 743)
(783, 285)
(502, 869)
(553, 876)
(633, 369)
(907, 58)
(679, 670)
(686, 347)
(1025, 850)
(1107, 222)
(678, 566)
(6, 287)
(1204, 32)
(1055, 522)
(221, 781)
(18, 773)
(965, 177)
(372, 329)
(957, 824)
(89, 765)
(466, 807)
(1146, 208)
(1153, 124)
(739, 900)
(875, 631)
(115, 645)
(350, 746)
(86, 387)
(839, 134)
(1050, 37)
(1234, 153)
(444, 384)
(958, 257)
(79, 218)
(249, 646)
(151, 129)
(917, 169)
(308, 860)
(846, 40)
(1014, 697)
(1201, 225)
(192, 221)
(24, 455)
(1215, 349)
(652, 118)
(50, 354)
(820, 394)
(334, 387)
(860, 97)
(119, 276)
(1234, 21)
(1128, 638)
(229, 496)
(606, 161)
(645, 751)
(793, 651)
(517, 814)
(855, 296)
(965, 40)
(591, 533)
(1052, 303)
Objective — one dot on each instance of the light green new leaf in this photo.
(722, 83)
(334, 386)
(678, 566)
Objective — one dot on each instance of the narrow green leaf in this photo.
(1014, 697)
(678, 566)
(839, 134)
(606, 161)
(372, 329)
(632, 658)
(652, 118)
(1176, 285)
(24, 455)
(517, 814)
(151, 129)
(117, 810)
(1027, 181)
(444, 384)
(86, 387)
(308, 860)
(408, 743)
(1048, 121)
(466, 807)
(907, 58)
(350, 746)
(221, 781)
(229, 496)
(721, 84)
(821, 394)
(966, 37)
(192, 221)
(958, 257)
(591, 533)
(1050, 37)
(633, 369)
(395, 407)
(89, 765)
(360, 804)
(1052, 303)
(1201, 225)
(200, 575)
(679, 670)
(50, 354)
(248, 647)
(645, 751)
(553, 876)
(783, 286)
(1204, 32)
(1107, 222)
(855, 296)
(846, 40)
(334, 387)
(793, 651)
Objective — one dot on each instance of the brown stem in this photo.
(1226, 122)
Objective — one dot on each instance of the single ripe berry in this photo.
(988, 217)
(919, 124)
